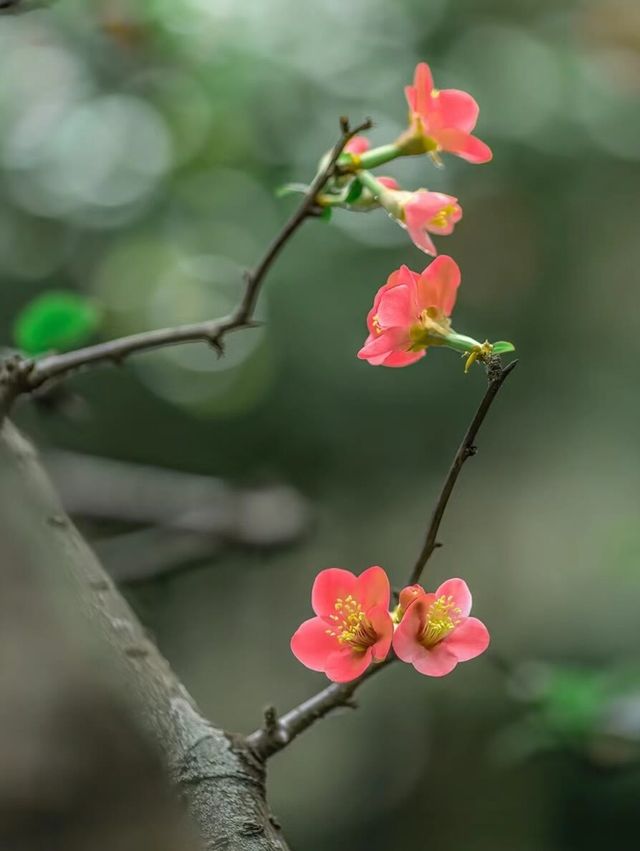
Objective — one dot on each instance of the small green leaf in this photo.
(291, 189)
(55, 320)
(326, 214)
(355, 191)
(501, 347)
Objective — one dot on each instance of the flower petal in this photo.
(468, 147)
(403, 275)
(398, 359)
(373, 588)
(468, 640)
(420, 237)
(376, 349)
(328, 586)
(311, 645)
(439, 284)
(380, 620)
(423, 87)
(405, 638)
(435, 662)
(358, 145)
(395, 309)
(459, 590)
(346, 664)
(458, 109)
(389, 182)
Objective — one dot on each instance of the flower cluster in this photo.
(354, 628)
(412, 311)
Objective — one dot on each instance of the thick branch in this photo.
(24, 376)
(276, 734)
(217, 774)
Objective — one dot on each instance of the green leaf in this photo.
(326, 214)
(291, 189)
(55, 320)
(501, 347)
(355, 191)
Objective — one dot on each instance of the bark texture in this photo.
(64, 585)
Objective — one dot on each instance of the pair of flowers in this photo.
(354, 628)
(439, 121)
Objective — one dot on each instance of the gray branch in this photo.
(218, 775)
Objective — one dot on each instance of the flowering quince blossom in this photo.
(441, 121)
(421, 212)
(435, 632)
(410, 313)
(352, 627)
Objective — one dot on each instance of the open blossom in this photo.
(441, 120)
(411, 312)
(352, 627)
(421, 212)
(436, 631)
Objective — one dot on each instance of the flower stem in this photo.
(374, 186)
(372, 158)
(460, 343)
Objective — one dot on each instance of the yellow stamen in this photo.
(441, 218)
(351, 625)
(443, 616)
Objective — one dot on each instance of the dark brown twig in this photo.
(28, 375)
(496, 376)
(273, 737)
(277, 733)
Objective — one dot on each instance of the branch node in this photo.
(344, 125)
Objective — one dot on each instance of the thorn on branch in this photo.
(217, 344)
(270, 720)
(344, 125)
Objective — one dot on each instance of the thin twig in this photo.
(270, 739)
(27, 375)
(277, 733)
(465, 450)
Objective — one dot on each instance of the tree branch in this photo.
(25, 375)
(496, 375)
(277, 734)
(216, 773)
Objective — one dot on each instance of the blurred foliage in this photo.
(141, 146)
(55, 320)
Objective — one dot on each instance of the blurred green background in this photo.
(140, 149)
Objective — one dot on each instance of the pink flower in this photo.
(357, 145)
(421, 212)
(436, 631)
(411, 312)
(353, 627)
(441, 120)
